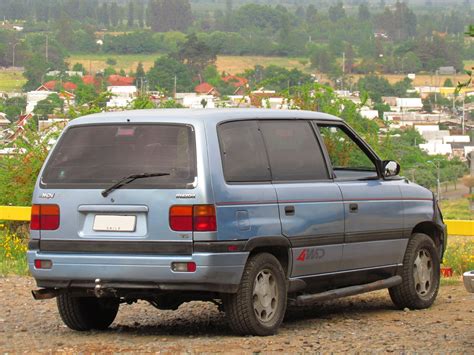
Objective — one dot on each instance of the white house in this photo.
(456, 139)
(435, 148)
(122, 95)
(409, 104)
(33, 97)
(368, 113)
(194, 100)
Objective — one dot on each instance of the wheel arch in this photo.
(432, 230)
(278, 246)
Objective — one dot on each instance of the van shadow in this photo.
(202, 319)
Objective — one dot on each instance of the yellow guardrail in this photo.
(13, 213)
(460, 227)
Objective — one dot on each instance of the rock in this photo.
(406, 309)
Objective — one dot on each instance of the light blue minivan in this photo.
(251, 209)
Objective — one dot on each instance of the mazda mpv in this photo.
(250, 209)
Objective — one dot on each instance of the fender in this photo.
(276, 241)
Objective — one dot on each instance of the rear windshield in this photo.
(98, 155)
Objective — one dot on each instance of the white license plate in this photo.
(108, 223)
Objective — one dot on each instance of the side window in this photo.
(347, 158)
(293, 151)
(243, 152)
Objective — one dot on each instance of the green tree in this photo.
(196, 54)
(170, 15)
(13, 107)
(114, 14)
(376, 87)
(18, 172)
(336, 12)
(163, 73)
(48, 106)
(35, 68)
(139, 75)
(364, 12)
(131, 15)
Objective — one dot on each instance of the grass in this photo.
(11, 80)
(13, 253)
(456, 209)
(460, 254)
(231, 64)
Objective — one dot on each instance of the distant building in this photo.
(118, 80)
(409, 104)
(122, 95)
(33, 97)
(206, 89)
(436, 148)
(196, 101)
(447, 70)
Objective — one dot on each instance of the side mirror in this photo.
(390, 168)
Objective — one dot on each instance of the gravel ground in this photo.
(362, 323)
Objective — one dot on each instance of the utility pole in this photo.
(13, 57)
(175, 85)
(46, 48)
(463, 114)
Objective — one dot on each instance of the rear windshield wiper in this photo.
(128, 179)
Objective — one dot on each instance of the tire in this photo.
(259, 306)
(420, 275)
(87, 313)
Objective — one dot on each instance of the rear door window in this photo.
(243, 153)
(293, 151)
(98, 155)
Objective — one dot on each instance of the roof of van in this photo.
(194, 115)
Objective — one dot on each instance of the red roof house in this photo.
(88, 80)
(50, 85)
(206, 89)
(69, 86)
(118, 80)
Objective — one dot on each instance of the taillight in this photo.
(188, 218)
(44, 217)
(205, 218)
(181, 218)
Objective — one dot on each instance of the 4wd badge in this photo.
(311, 254)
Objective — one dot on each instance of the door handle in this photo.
(290, 210)
(353, 208)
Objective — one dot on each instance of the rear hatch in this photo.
(134, 217)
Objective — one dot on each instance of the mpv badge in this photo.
(185, 196)
(47, 195)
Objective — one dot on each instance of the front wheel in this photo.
(259, 305)
(420, 274)
(86, 313)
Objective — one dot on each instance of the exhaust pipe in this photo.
(45, 294)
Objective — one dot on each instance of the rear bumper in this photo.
(468, 278)
(217, 272)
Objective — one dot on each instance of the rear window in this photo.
(98, 155)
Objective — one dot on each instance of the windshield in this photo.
(100, 155)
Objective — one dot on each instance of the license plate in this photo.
(107, 223)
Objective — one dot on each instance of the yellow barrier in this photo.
(460, 228)
(11, 213)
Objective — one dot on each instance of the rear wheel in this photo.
(86, 313)
(259, 305)
(420, 274)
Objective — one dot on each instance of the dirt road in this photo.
(363, 323)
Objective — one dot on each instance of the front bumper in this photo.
(468, 279)
(217, 272)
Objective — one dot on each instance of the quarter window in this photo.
(243, 152)
(293, 151)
